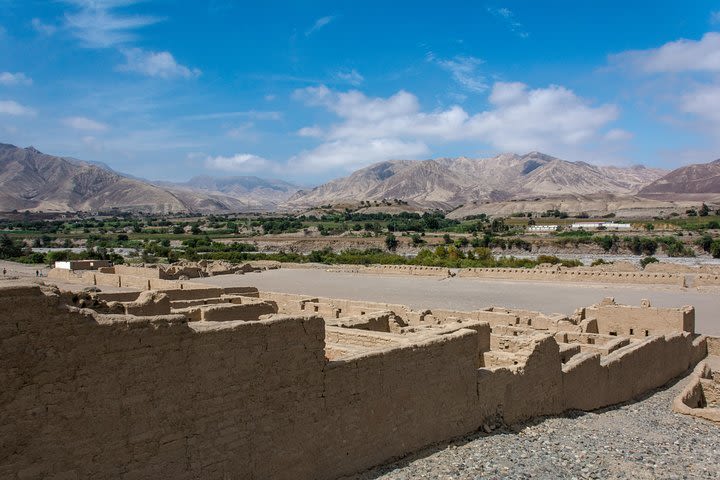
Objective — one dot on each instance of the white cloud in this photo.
(11, 107)
(464, 71)
(521, 119)
(352, 77)
(618, 135)
(679, 56)
(43, 28)
(254, 114)
(270, 97)
(98, 24)
(507, 16)
(9, 78)
(703, 101)
(84, 123)
(541, 119)
(155, 64)
(319, 23)
(352, 154)
(313, 131)
(715, 17)
(239, 163)
(245, 131)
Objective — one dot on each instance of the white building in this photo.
(600, 226)
(542, 228)
(83, 264)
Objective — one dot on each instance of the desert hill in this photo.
(449, 182)
(255, 192)
(32, 180)
(693, 179)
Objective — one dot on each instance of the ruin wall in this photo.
(706, 280)
(641, 321)
(575, 275)
(121, 280)
(103, 396)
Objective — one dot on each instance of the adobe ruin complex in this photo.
(180, 380)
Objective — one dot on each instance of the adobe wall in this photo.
(641, 321)
(397, 400)
(89, 396)
(124, 280)
(591, 382)
(419, 270)
(713, 346)
(701, 395)
(575, 275)
(104, 396)
(144, 272)
(706, 280)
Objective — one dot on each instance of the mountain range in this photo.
(693, 179)
(449, 182)
(503, 184)
(32, 180)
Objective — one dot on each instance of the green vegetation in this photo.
(441, 256)
(647, 260)
(158, 237)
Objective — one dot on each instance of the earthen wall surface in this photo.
(104, 396)
(575, 275)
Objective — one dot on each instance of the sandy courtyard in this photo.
(469, 293)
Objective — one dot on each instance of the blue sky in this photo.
(307, 91)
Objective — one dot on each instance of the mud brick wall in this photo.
(105, 397)
(575, 275)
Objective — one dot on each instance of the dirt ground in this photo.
(470, 293)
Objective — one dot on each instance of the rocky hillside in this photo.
(693, 179)
(32, 180)
(254, 191)
(449, 182)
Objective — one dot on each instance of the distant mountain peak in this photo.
(691, 179)
(35, 181)
(449, 182)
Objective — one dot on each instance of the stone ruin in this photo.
(183, 270)
(701, 396)
(190, 381)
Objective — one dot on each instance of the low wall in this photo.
(591, 382)
(706, 280)
(575, 275)
(418, 270)
(641, 321)
(121, 280)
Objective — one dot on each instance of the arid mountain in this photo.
(694, 179)
(254, 191)
(32, 180)
(449, 182)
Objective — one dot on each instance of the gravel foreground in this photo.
(640, 440)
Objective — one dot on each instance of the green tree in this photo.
(647, 260)
(391, 242)
(715, 249)
(9, 248)
(704, 210)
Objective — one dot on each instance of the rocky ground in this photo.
(640, 440)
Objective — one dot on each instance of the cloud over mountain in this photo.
(520, 118)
